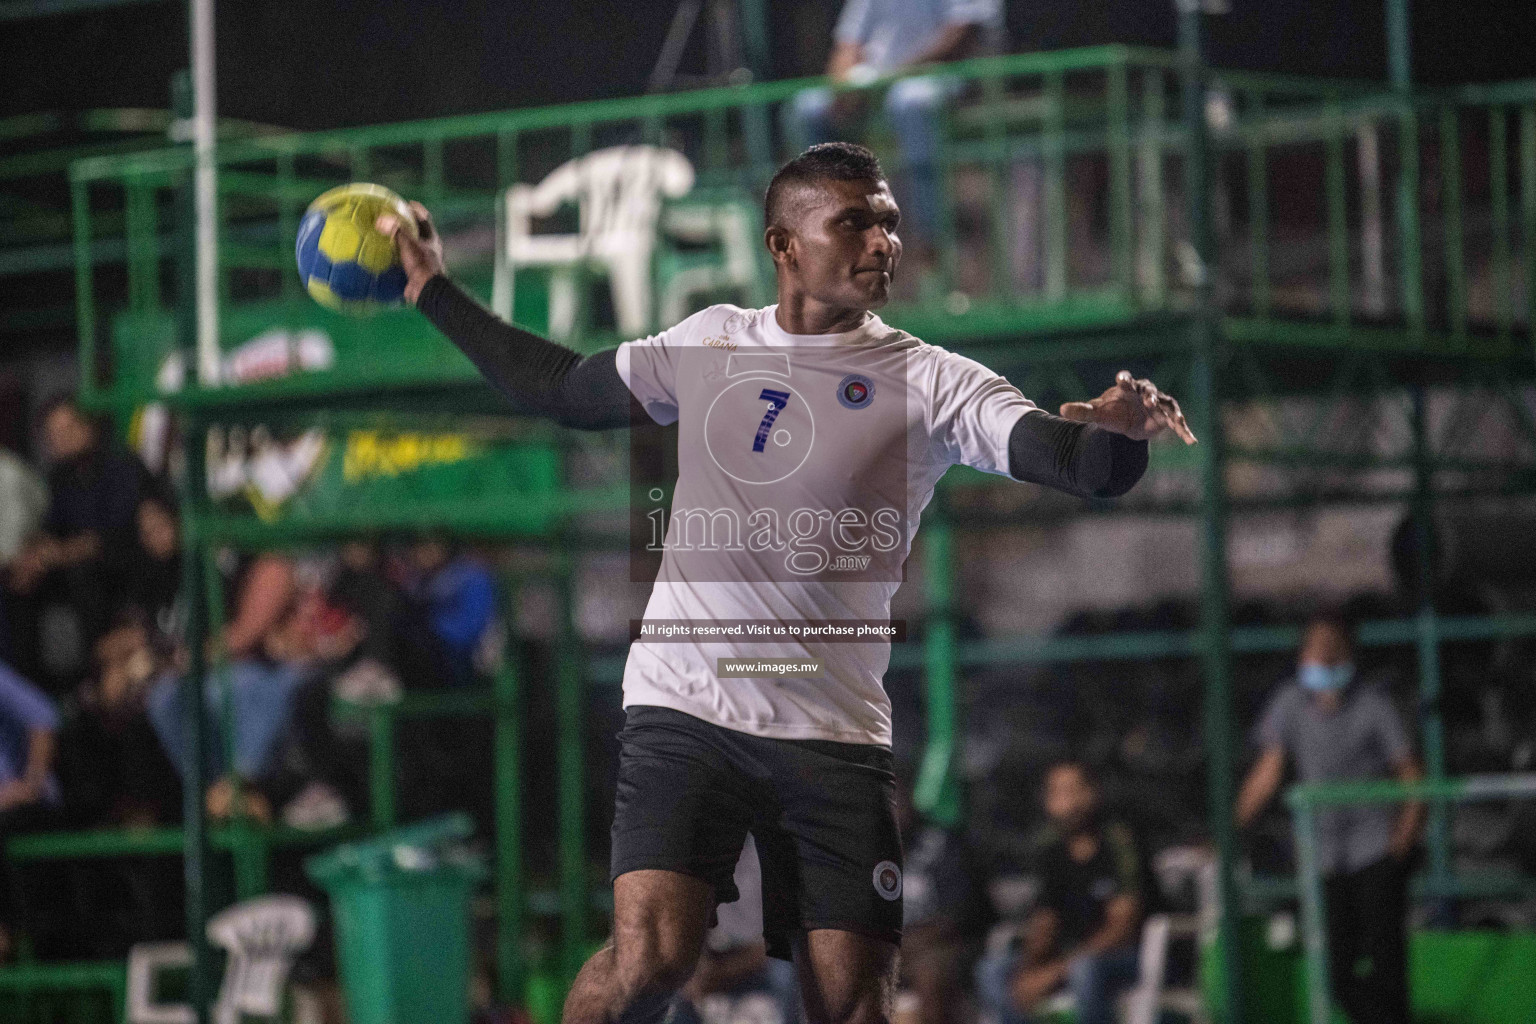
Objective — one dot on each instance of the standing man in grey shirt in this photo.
(1334, 728)
(874, 38)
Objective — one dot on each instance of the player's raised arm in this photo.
(539, 376)
(1095, 449)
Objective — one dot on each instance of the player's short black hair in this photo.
(825, 161)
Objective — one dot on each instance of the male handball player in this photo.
(804, 764)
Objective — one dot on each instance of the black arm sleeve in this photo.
(1080, 458)
(539, 376)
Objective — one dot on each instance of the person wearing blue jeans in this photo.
(1083, 934)
(261, 698)
(874, 38)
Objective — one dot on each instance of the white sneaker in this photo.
(317, 807)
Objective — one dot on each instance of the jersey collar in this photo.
(779, 335)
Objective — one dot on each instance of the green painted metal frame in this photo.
(1130, 131)
(1305, 800)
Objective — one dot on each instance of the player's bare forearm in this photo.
(1121, 917)
(1260, 786)
(539, 376)
(1405, 834)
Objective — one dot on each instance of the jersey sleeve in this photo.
(648, 367)
(971, 412)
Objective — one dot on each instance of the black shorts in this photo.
(823, 815)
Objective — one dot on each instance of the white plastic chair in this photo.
(618, 193)
(733, 228)
(261, 936)
(1151, 995)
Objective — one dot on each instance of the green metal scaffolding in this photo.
(1203, 313)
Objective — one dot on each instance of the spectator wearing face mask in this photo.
(1332, 727)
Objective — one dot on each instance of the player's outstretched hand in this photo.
(421, 253)
(1135, 408)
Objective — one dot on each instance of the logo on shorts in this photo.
(888, 880)
(856, 391)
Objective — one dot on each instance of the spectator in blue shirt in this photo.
(874, 38)
(458, 594)
(29, 792)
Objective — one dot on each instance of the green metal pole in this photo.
(1399, 45)
(1528, 213)
(1450, 202)
(754, 37)
(1314, 915)
(936, 794)
(1411, 257)
(1427, 636)
(381, 766)
(1338, 225)
(85, 288)
(1055, 187)
(571, 792)
(510, 900)
(1121, 203)
(1214, 604)
(193, 553)
(1258, 211)
(1498, 188)
(1400, 67)
(194, 742)
(1154, 237)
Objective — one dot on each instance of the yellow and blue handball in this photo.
(344, 261)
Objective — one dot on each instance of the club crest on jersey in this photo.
(855, 391)
(888, 880)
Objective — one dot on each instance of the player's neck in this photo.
(800, 314)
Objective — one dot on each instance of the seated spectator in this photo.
(945, 915)
(1084, 932)
(371, 641)
(114, 771)
(23, 502)
(458, 594)
(268, 652)
(885, 37)
(29, 792)
(89, 533)
(394, 631)
(735, 966)
(154, 579)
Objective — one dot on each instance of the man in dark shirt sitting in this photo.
(90, 535)
(1084, 931)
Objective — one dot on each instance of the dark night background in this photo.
(318, 64)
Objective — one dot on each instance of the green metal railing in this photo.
(1305, 800)
(1051, 128)
(1061, 164)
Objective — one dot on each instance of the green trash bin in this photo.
(400, 911)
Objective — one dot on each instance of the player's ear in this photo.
(780, 243)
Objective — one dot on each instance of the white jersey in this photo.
(805, 462)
